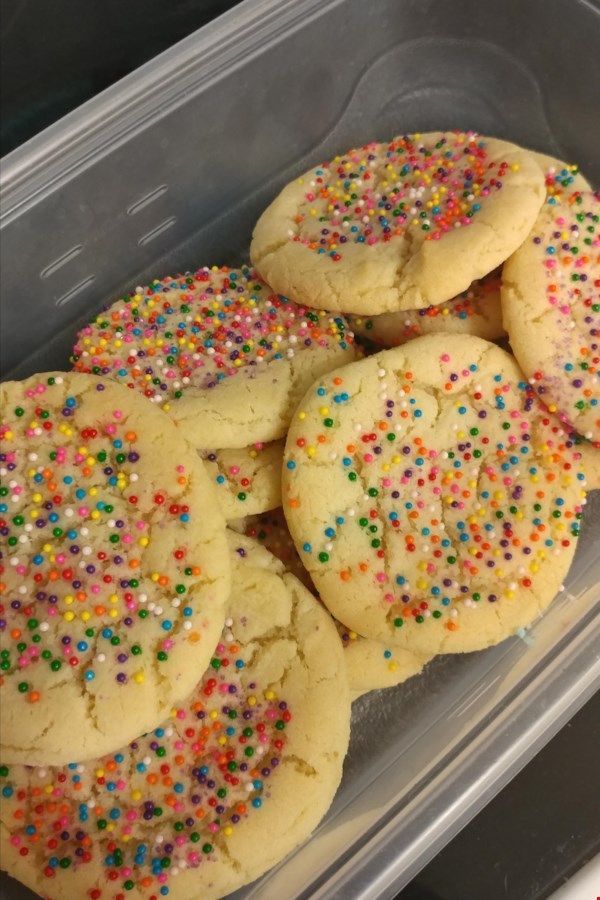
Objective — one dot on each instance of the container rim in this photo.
(93, 129)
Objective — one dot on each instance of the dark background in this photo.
(54, 55)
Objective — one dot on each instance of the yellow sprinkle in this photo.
(139, 677)
(69, 615)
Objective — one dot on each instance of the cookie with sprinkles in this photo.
(551, 309)
(401, 225)
(230, 782)
(248, 481)
(477, 310)
(115, 567)
(370, 664)
(433, 499)
(218, 350)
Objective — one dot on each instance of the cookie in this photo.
(476, 311)
(116, 568)
(400, 225)
(235, 777)
(551, 309)
(226, 357)
(247, 481)
(370, 664)
(434, 501)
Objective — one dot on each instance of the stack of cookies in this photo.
(232, 517)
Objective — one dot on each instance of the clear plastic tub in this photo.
(168, 169)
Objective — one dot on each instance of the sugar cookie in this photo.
(117, 568)
(399, 225)
(433, 500)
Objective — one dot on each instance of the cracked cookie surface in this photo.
(551, 308)
(218, 350)
(432, 498)
(235, 778)
(371, 665)
(116, 568)
(398, 226)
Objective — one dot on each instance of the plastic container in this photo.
(169, 169)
